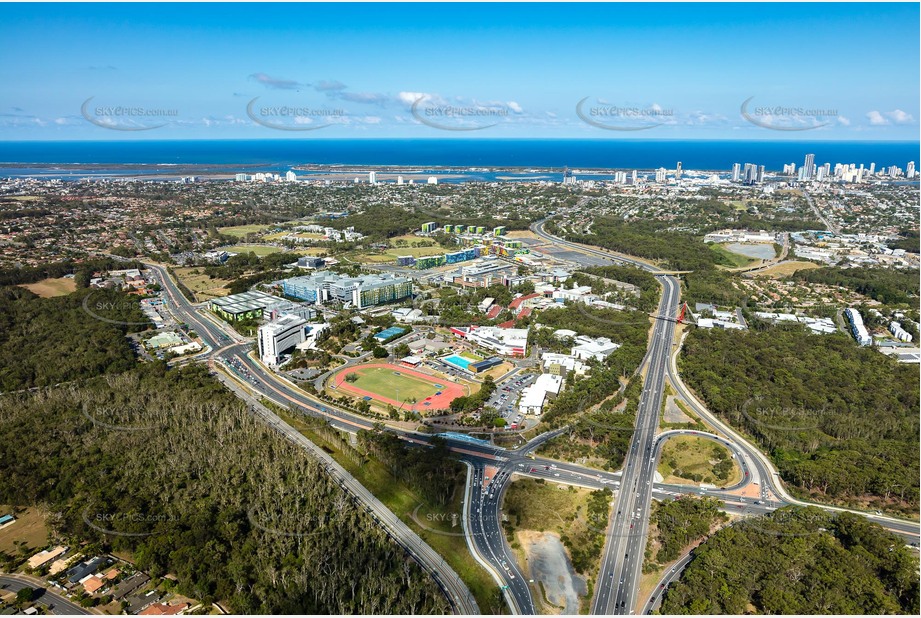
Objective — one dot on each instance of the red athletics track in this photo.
(449, 392)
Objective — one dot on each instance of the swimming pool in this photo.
(458, 361)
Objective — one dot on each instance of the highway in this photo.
(623, 555)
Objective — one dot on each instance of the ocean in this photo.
(41, 157)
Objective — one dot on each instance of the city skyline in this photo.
(408, 71)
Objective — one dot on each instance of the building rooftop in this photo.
(246, 301)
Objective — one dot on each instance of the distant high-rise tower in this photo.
(760, 176)
(399, 180)
(568, 178)
(809, 166)
(678, 171)
(372, 178)
(750, 173)
(660, 174)
(633, 177)
(910, 170)
(872, 168)
(736, 172)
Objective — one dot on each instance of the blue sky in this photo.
(681, 71)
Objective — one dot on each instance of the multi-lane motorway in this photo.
(622, 559)
(491, 468)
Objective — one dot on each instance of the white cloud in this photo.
(512, 105)
(899, 117)
(876, 118)
(845, 121)
(408, 98)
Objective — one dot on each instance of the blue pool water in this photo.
(457, 361)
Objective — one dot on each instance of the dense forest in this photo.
(908, 240)
(673, 250)
(798, 561)
(887, 285)
(839, 421)
(210, 494)
(46, 341)
(681, 522)
(432, 472)
(645, 281)
(647, 239)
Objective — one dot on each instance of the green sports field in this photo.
(242, 230)
(259, 250)
(384, 382)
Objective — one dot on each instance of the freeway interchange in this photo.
(491, 468)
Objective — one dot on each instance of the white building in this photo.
(291, 176)
(278, 336)
(857, 328)
(821, 326)
(432, 180)
(372, 178)
(898, 332)
(570, 364)
(533, 397)
(582, 294)
(505, 341)
(598, 348)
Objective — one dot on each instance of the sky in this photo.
(832, 71)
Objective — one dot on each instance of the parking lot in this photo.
(506, 397)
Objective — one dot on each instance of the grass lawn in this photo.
(470, 355)
(384, 382)
(785, 269)
(46, 288)
(201, 285)
(737, 260)
(738, 205)
(543, 507)
(404, 502)
(259, 250)
(695, 455)
(305, 235)
(28, 527)
(239, 231)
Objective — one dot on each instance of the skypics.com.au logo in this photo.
(298, 117)
(786, 117)
(603, 115)
(448, 117)
(126, 117)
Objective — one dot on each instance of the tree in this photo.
(25, 595)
